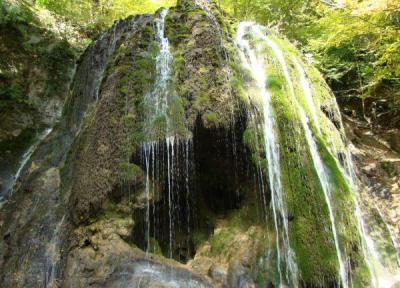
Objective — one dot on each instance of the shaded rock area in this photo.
(376, 152)
(35, 221)
(36, 69)
(103, 257)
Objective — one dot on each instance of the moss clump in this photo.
(209, 119)
(199, 73)
(221, 240)
(274, 82)
(158, 127)
(249, 138)
(154, 247)
(129, 171)
(176, 114)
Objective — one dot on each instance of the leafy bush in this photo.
(14, 13)
(95, 16)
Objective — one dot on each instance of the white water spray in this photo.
(285, 254)
(318, 164)
(380, 276)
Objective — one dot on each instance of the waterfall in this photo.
(170, 167)
(380, 276)
(159, 96)
(307, 93)
(167, 152)
(366, 243)
(27, 155)
(285, 254)
(156, 102)
(325, 184)
(148, 150)
(305, 106)
(318, 163)
(53, 256)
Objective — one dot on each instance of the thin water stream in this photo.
(287, 266)
(165, 154)
(24, 160)
(318, 163)
(380, 276)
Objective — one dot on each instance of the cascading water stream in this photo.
(24, 160)
(255, 66)
(379, 277)
(53, 256)
(307, 93)
(27, 155)
(157, 103)
(170, 160)
(204, 5)
(318, 163)
(164, 152)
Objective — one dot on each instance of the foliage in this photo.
(355, 44)
(357, 50)
(15, 13)
(287, 15)
(95, 15)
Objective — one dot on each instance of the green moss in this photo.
(176, 113)
(176, 30)
(238, 86)
(154, 49)
(89, 116)
(179, 62)
(201, 100)
(249, 137)
(221, 240)
(274, 82)
(129, 171)
(310, 239)
(158, 127)
(154, 247)
(199, 237)
(209, 119)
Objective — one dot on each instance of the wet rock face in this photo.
(101, 256)
(113, 128)
(203, 71)
(147, 274)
